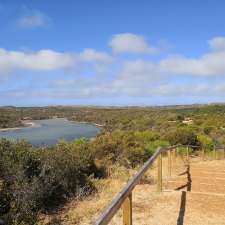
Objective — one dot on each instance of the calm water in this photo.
(48, 132)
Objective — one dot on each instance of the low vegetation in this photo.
(36, 181)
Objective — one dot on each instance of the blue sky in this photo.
(111, 52)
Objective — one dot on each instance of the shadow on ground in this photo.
(180, 219)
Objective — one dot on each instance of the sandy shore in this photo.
(29, 123)
(26, 123)
(96, 124)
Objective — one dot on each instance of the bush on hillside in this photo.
(35, 180)
(126, 148)
(205, 142)
(184, 136)
(153, 146)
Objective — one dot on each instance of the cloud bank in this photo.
(217, 43)
(112, 76)
(48, 60)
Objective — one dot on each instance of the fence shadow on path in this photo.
(180, 219)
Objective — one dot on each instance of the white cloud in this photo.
(41, 60)
(211, 64)
(90, 55)
(217, 43)
(47, 60)
(124, 88)
(138, 72)
(142, 78)
(131, 43)
(138, 78)
(169, 77)
(33, 19)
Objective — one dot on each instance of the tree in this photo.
(205, 142)
(184, 136)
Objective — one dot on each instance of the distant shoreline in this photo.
(27, 123)
(96, 124)
(82, 122)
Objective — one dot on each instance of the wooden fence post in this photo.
(169, 163)
(159, 184)
(203, 153)
(127, 210)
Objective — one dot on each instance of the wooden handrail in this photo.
(125, 196)
(127, 190)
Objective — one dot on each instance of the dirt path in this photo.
(194, 195)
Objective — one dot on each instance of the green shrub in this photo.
(184, 136)
(206, 142)
(147, 136)
(207, 129)
(183, 151)
(37, 180)
(128, 148)
(151, 147)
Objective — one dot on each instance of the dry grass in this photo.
(86, 211)
(200, 206)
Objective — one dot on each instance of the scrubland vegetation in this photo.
(35, 181)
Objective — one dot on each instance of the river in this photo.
(49, 132)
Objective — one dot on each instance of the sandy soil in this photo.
(26, 123)
(96, 124)
(193, 195)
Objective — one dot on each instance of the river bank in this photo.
(84, 122)
(50, 131)
(29, 123)
(26, 123)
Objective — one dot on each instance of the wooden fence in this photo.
(124, 198)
